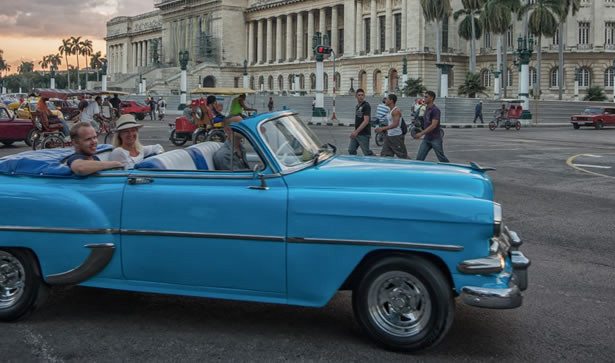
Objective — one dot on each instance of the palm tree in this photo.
(86, 51)
(25, 67)
(96, 62)
(3, 65)
(436, 11)
(472, 85)
(414, 87)
(65, 49)
(45, 63)
(568, 5)
(55, 60)
(75, 48)
(543, 22)
(496, 18)
(470, 29)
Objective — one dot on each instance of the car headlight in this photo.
(573, 118)
(497, 219)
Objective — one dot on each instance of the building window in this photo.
(451, 79)
(382, 26)
(553, 77)
(487, 40)
(584, 77)
(609, 33)
(532, 76)
(312, 81)
(397, 32)
(608, 77)
(270, 83)
(556, 37)
(338, 80)
(445, 34)
(583, 33)
(280, 83)
(485, 78)
(236, 82)
(510, 37)
(367, 29)
(509, 78)
(340, 42)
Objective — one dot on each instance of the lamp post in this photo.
(404, 74)
(184, 56)
(104, 75)
(321, 49)
(576, 83)
(246, 82)
(351, 90)
(385, 86)
(444, 69)
(496, 84)
(524, 53)
(52, 75)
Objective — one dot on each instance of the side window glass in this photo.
(237, 155)
(4, 115)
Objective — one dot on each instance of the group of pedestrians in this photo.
(390, 121)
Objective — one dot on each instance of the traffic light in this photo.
(323, 49)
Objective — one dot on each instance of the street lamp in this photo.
(524, 53)
(496, 85)
(576, 83)
(184, 56)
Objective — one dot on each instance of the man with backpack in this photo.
(433, 137)
(394, 141)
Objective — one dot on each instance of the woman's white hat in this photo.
(126, 122)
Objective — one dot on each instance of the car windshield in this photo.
(593, 111)
(291, 141)
(137, 103)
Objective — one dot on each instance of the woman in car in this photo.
(128, 150)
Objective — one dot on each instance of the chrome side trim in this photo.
(482, 266)
(482, 297)
(99, 257)
(210, 175)
(142, 232)
(59, 230)
(425, 246)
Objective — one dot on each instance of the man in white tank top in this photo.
(394, 143)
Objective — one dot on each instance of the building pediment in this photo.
(257, 5)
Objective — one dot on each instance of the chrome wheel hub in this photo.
(12, 280)
(399, 304)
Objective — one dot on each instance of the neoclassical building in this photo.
(370, 39)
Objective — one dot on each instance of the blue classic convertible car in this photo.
(298, 225)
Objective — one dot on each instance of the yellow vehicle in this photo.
(24, 111)
(14, 106)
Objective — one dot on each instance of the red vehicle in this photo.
(68, 107)
(135, 108)
(597, 117)
(201, 130)
(12, 128)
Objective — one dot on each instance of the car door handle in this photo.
(139, 180)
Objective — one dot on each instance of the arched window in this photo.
(532, 77)
(338, 80)
(377, 82)
(209, 81)
(280, 83)
(312, 81)
(485, 78)
(362, 80)
(553, 78)
(252, 85)
(291, 83)
(451, 79)
(509, 78)
(585, 77)
(325, 82)
(302, 81)
(393, 80)
(608, 77)
(270, 83)
(261, 83)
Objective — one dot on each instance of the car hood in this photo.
(388, 175)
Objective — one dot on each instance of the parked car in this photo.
(24, 111)
(293, 223)
(138, 109)
(69, 108)
(597, 117)
(13, 128)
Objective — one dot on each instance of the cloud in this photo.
(57, 19)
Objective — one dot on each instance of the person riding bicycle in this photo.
(238, 106)
(47, 117)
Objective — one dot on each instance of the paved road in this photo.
(556, 187)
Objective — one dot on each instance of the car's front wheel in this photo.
(598, 125)
(575, 126)
(21, 287)
(492, 125)
(404, 303)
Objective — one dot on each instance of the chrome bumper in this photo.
(493, 298)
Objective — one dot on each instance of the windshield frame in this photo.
(284, 170)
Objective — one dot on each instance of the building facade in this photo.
(370, 39)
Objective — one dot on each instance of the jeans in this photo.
(363, 142)
(480, 115)
(436, 145)
(65, 130)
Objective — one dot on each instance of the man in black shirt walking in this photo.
(362, 133)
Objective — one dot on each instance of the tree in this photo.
(469, 28)
(25, 67)
(436, 11)
(496, 18)
(96, 62)
(65, 49)
(4, 67)
(543, 22)
(45, 62)
(414, 87)
(568, 5)
(55, 60)
(75, 48)
(86, 51)
(472, 85)
(595, 93)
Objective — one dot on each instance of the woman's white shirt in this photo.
(129, 162)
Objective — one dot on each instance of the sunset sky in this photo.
(32, 29)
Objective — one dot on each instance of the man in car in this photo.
(222, 157)
(84, 161)
(91, 112)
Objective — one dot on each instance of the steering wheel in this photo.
(284, 150)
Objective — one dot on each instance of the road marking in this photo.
(593, 166)
(570, 163)
(592, 155)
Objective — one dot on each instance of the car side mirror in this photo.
(256, 171)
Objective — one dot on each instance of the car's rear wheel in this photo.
(518, 125)
(576, 126)
(33, 133)
(404, 303)
(52, 142)
(598, 125)
(492, 125)
(21, 287)
(177, 140)
(140, 116)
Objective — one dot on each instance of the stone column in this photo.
(250, 42)
(278, 38)
(389, 26)
(373, 32)
(359, 43)
(124, 58)
(146, 51)
(269, 40)
(289, 37)
(310, 34)
(334, 30)
(322, 21)
(140, 54)
(300, 54)
(259, 41)
(404, 24)
(349, 27)
(138, 58)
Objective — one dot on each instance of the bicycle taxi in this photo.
(508, 115)
(202, 127)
